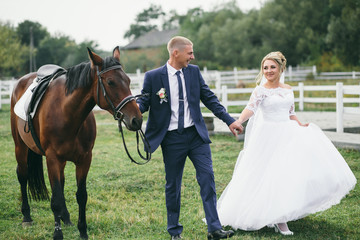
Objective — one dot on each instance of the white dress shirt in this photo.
(174, 99)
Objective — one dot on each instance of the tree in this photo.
(31, 34)
(239, 42)
(79, 53)
(55, 50)
(145, 21)
(211, 32)
(59, 49)
(306, 31)
(171, 21)
(297, 28)
(11, 52)
(344, 31)
(26, 28)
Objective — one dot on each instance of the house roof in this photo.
(154, 38)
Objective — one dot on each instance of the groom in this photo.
(175, 122)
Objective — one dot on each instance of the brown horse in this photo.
(65, 128)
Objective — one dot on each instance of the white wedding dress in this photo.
(285, 171)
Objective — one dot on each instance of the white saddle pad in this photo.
(22, 105)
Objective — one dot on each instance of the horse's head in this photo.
(113, 89)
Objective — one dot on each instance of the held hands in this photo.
(236, 128)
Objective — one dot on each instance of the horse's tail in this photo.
(37, 186)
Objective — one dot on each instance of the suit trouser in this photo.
(175, 148)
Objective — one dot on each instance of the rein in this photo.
(144, 140)
(118, 115)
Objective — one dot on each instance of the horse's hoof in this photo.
(58, 235)
(84, 236)
(27, 224)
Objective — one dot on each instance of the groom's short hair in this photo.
(178, 42)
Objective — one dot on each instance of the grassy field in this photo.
(126, 201)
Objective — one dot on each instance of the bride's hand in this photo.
(294, 117)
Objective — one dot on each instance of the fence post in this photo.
(218, 81)
(235, 76)
(138, 76)
(301, 96)
(353, 75)
(0, 93)
(314, 70)
(12, 85)
(339, 107)
(224, 99)
(205, 75)
(290, 73)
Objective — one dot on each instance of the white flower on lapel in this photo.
(162, 95)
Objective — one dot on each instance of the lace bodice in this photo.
(276, 103)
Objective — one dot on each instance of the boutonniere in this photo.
(162, 95)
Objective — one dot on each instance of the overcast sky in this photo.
(103, 21)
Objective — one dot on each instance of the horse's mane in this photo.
(79, 76)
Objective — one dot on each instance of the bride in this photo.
(287, 170)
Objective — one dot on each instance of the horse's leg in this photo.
(22, 175)
(81, 194)
(65, 215)
(57, 198)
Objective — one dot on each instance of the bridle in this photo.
(119, 116)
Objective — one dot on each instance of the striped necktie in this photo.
(181, 104)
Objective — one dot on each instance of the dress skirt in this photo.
(284, 173)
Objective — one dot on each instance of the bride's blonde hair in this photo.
(277, 57)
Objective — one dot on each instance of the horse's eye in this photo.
(110, 82)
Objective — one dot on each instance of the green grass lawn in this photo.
(126, 201)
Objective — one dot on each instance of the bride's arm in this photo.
(245, 115)
(294, 117)
(251, 107)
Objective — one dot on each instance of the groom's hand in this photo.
(236, 128)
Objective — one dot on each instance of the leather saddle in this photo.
(45, 75)
(48, 70)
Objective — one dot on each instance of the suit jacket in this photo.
(160, 113)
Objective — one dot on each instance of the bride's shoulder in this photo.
(286, 86)
(259, 89)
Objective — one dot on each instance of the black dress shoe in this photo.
(176, 237)
(220, 234)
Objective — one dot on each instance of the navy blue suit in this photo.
(193, 142)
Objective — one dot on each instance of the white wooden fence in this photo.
(6, 88)
(340, 99)
(217, 79)
(223, 83)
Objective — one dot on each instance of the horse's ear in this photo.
(116, 53)
(94, 58)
